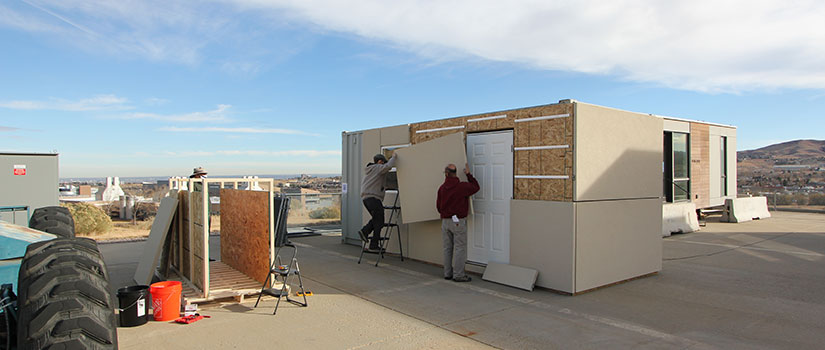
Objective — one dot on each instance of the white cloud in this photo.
(96, 103)
(8, 129)
(704, 45)
(240, 130)
(219, 114)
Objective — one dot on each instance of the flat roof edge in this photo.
(697, 121)
(27, 154)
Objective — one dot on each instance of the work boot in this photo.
(364, 235)
(463, 279)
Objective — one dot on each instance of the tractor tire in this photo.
(54, 220)
(61, 213)
(64, 298)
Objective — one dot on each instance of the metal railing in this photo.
(314, 209)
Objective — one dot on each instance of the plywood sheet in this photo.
(617, 240)
(245, 232)
(421, 172)
(618, 154)
(157, 235)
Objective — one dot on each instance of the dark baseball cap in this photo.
(379, 157)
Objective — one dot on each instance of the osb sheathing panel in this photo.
(245, 232)
(699, 164)
(416, 137)
(198, 244)
(186, 255)
(198, 280)
(548, 132)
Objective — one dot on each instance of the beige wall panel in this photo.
(395, 135)
(675, 125)
(618, 154)
(421, 172)
(617, 240)
(245, 232)
(699, 164)
(542, 238)
(425, 241)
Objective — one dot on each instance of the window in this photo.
(676, 166)
(723, 156)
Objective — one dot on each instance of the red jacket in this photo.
(453, 196)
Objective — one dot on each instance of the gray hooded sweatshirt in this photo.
(373, 183)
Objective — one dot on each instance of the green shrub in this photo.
(89, 220)
(325, 213)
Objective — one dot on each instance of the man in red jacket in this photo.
(453, 205)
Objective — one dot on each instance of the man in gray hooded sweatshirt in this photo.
(372, 195)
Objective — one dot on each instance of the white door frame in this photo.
(488, 236)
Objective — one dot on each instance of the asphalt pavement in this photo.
(750, 285)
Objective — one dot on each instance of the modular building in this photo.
(27, 179)
(571, 189)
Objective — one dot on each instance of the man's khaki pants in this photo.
(454, 238)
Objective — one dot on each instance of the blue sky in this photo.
(155, 88)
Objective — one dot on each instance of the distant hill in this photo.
(796, 166)
(799, 149)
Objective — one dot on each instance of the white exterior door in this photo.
(490, 156)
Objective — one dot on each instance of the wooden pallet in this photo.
(224, 283)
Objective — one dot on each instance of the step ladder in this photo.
(285, 272)
(277, 270)
(386, 233)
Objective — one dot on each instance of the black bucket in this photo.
(134, 305)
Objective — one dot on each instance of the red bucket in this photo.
(166, 300)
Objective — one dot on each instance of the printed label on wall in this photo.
(344, 187)
(19, 169)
